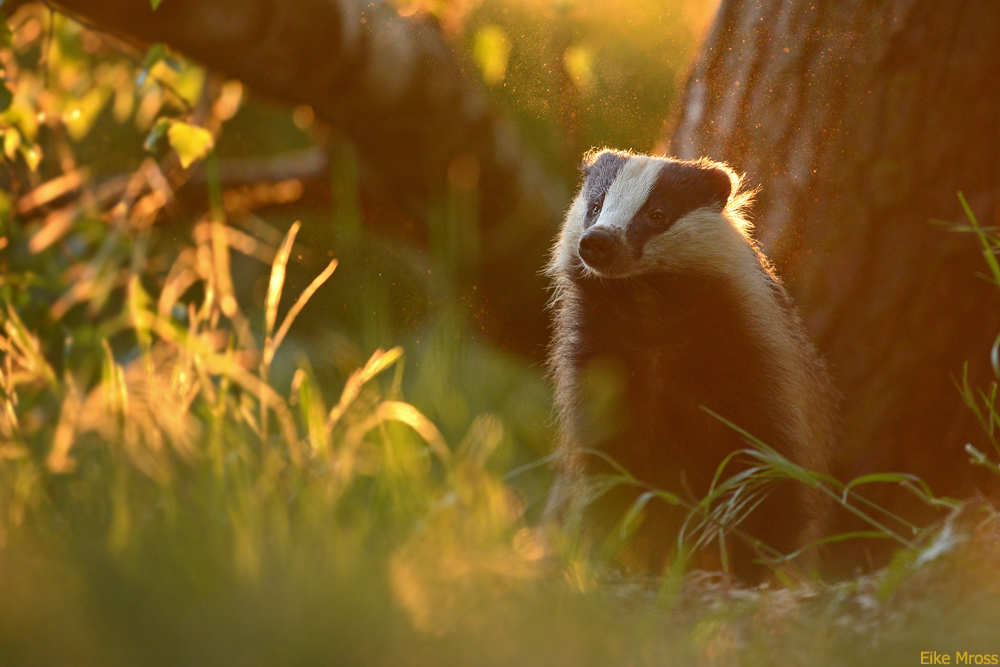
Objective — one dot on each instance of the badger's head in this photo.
(637, 214)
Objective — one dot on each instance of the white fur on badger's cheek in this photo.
(702, 241)
(566, 253)
(628, 192)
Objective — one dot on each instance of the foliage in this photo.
(577, 74)
(142, 429)
(982, 403)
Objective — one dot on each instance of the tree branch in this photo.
(390, 84)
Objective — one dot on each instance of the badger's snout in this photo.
(597, 247)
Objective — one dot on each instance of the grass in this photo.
(164, 502)
(158, 463)
(190, 474)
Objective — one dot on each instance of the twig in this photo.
(47, 52)
(101, 32)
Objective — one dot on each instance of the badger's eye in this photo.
(596, 208)
(658, 215)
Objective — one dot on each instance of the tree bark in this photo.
(860, 120)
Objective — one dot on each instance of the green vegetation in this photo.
(230, 438)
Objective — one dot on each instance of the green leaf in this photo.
(155, 3)
(11, 142)
(155, 54)
(6, 97)
(159, 129)
(579, 64)
(983, 238)
(32, 155)
(491, 52)
(191, 142)
(6, 36)
(82, 113)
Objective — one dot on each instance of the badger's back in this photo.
(664, 307)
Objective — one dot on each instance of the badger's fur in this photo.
(663, 306)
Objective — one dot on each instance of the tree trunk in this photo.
(860, 121)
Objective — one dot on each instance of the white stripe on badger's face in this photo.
(702, 239)
(628, 193)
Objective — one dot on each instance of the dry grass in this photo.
(178, 487)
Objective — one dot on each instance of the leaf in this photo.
(59, 459)
(191, 142)
(378, 363)
(991, 259)
(579, 64)
(159, 129)
(274, 287)
(155, 3)
(301, 303)
(82, 113)
(491, 52)
(626, 525)
(32, 155)
(6, 97)
(11, 142)
(155, 54)
(6, 36)
(880, 478)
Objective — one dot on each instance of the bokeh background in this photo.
(185, 481)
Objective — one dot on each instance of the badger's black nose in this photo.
(597, 247)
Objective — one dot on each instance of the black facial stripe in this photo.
(600, 174)
(680, 188)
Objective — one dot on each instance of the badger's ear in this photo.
(719, 183)
(588, 161)
(597, 159)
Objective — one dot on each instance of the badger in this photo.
(664, 312)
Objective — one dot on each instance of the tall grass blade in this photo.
(300, 303)
(59, 459)
(274, 288)
(825, 483)
(378, 362)
(991, 258)
(27, 350)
